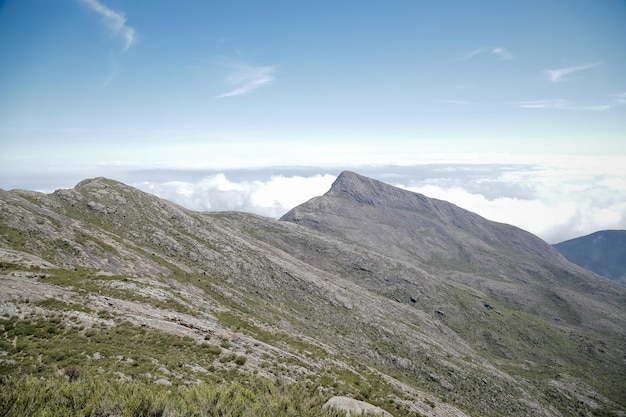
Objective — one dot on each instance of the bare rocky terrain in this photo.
(369, 292)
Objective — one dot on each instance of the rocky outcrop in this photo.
(24, 259)
(354, 407)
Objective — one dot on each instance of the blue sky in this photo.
(182, 94)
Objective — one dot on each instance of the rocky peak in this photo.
(373, 192)
(358, 206)
(88, 181)
(352, 185)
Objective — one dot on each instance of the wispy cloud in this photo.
(244, 78)
(500, 52)
(469, 55)
(115, 70)
(621, 98)
(560, 104)
(115, 22)
(561, 74)
(462, 102)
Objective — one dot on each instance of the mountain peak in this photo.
(419, 226)
(352, 185)
(98, 182)
(369, 191)
(348, 177)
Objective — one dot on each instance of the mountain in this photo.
(443, 240)
(372, 292)
(602, 252)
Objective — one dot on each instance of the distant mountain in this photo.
(602, 252)
(116, 302)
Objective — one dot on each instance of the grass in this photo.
(84, 239)
(16, 239)
(60, 305)
(93, 395)
(236, 322)
(110, 368)
(52, 367)
(41, 346)
(86, 281)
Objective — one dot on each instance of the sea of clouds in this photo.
(556, 198)
(555, 202)
(270, 197)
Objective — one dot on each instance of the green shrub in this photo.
(213, 349)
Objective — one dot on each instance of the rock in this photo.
(123, 377)
(101, 208)
(163, 381)
(24, 259)
(354, 407)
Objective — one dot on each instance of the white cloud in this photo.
(115, 22)
(244, 78)
(272, 197)
(556, 202)
(556, 198)
(469, 55)
(621, 98)
(500, 52)
(462, 102)
(543, 104)
(561, 104)
(535, 215)
(560, 74)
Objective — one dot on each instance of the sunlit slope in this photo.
(410, 303)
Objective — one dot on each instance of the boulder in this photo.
(354, 407)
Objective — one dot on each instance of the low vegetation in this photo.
(79, 394)
(55, 365)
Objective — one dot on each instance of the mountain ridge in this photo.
(400, 300)
(419, 215)
(602, 252)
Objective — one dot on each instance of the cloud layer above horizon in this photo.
(555, 203)
(271, 198)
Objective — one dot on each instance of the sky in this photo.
(514, 110)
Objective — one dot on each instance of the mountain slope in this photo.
(447, 241)
(602, 252)
(410, 303)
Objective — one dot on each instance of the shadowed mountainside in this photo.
(602, 252)
(410, 303)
